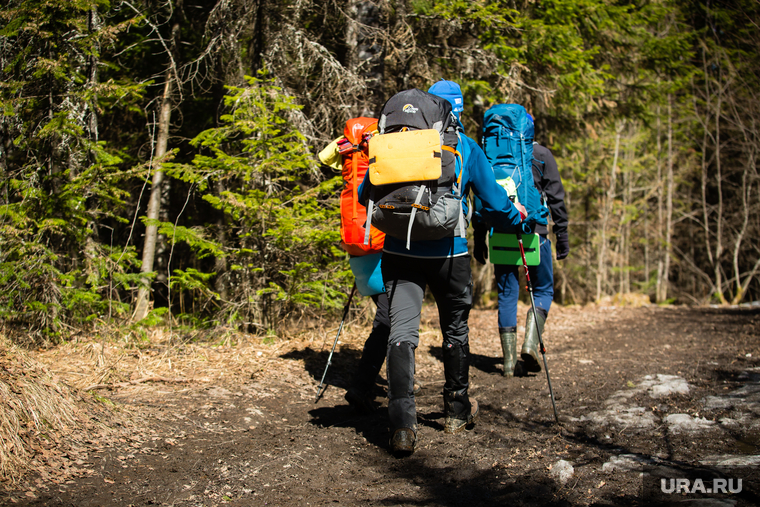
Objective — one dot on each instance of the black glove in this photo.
(563, 245)
(481, 250)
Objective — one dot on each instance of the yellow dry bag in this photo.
(402, 157)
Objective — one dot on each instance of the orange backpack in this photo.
(353, 216)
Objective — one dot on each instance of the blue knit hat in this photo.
(450, 91)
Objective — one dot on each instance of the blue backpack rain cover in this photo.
(508, 145)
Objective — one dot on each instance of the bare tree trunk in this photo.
(601, 274)
(627, 199)
(154, 204)
(646, 245)
(719, 219)
(92, 121)
(616, 261)
(91, 125)
(659, 236)
(746, 196)
(668, 248)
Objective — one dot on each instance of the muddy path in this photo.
(635, 387)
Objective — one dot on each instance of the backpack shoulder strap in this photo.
(540, 166)
(458, 188)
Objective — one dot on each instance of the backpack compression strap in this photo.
(524, 224)
(368, 223)
(462, 227)
(452, 150)
(415, 206)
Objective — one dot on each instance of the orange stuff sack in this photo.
(353, 216)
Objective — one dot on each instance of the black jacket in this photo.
(549, 183)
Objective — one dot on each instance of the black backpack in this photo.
(407, 198)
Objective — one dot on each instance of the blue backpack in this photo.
(508, 145)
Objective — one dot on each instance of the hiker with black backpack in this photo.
(547, 181)
(422, 167)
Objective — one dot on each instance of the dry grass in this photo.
(57, 411)
(56, 407)
(633, 299)
(168, 356)
(36, 408)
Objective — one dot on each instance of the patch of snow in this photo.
(750, 392)
(680, 423)
(665, 385)
(744, 422)
(625, 463)
(745, 398)
(718, 402)
(618, 412)
(731, 460)
(657, 386)
(729, 423)
(629, 417)
(620, 397)
(562, 471)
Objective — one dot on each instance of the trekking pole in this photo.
(340, 328)
(538, 329)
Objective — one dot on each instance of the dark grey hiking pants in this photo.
(375, 348)
(450, 282)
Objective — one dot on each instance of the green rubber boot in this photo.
(530, 346)
(509, 348)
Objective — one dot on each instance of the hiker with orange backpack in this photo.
(348, 153)
(424, 218)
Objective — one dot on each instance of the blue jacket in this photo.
(477, 178)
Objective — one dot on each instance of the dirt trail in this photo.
(634, 386)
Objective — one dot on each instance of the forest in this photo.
(158, 157)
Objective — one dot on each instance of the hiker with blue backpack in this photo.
(422, 167)
(530, 175)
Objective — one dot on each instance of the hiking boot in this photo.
(509, 348)
(454, 425)
(403, 441)
(363, 402)
(529, 352)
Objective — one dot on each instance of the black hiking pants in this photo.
(375, 348)
(450, 282)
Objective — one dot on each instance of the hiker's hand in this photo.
(481, 250)
(521, 209)
(563, 245)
